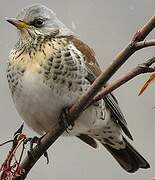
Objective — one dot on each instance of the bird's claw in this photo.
(35, 140)
(46, 156)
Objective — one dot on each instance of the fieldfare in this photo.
(49, 69)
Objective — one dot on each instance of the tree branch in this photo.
(140, 69)
(83, 101)
(120, 59)
(144, 44)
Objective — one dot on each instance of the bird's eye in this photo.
(38, 23)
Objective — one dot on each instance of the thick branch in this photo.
(80, 105)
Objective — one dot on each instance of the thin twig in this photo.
(9, 141)
(144, 44)
(140, 69)
(10, 167)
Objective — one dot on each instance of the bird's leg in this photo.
(64, 120)
(36, 140)
(32, 141)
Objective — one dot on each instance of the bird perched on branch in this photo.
(49, 69)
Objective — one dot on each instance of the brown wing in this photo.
(93, 72)
(89, 54)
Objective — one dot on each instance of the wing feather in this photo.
(93, 72)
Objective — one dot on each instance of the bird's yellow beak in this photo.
(18, 23)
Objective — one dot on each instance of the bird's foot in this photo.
(35, 140)
(65, 121)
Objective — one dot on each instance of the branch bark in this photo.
(140, 69)
(83, 101)
(144, 44)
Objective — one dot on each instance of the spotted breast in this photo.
(45, 79)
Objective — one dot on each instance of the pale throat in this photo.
(28, 36)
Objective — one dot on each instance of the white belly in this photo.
(40, 106)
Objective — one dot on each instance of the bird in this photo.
(48, 69)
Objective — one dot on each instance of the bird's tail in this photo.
(128, 158)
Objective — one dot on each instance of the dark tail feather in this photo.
(128, 158)
(87, 139)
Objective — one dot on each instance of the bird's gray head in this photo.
(36, 20)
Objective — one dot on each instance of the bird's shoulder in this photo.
(88, 54)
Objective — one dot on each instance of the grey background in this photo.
(107, 25)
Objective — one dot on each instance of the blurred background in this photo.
(107, 26)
